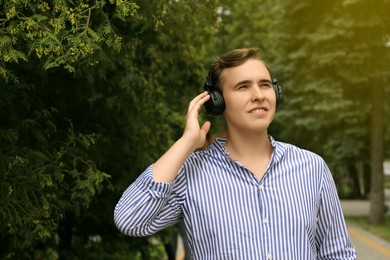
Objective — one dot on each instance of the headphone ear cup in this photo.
(216, 104)
(278, 93)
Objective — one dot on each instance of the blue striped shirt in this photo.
(292, 212)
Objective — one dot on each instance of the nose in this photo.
(257, 94)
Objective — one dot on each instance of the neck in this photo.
(249, 146)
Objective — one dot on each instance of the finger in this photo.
(194, 111)
(197, 99)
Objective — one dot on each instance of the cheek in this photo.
(273, 99)
(271, 96)
(230, 108)
(232, 103)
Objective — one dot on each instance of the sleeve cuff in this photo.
(157, 190)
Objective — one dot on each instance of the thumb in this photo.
(205, 127)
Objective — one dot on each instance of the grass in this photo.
(387, 182)
(382, 231)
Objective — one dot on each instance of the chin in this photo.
(256, 128)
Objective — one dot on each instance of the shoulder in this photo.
(291, 159)
(215, 150)
(294, 153)
(203, 165)
(212, 156)
(293, 150)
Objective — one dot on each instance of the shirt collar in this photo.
(219, 143)
(279, 149)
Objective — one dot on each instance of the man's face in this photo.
(249, 96)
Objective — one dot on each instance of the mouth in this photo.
(258, 110)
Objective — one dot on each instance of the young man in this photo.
(246, 196)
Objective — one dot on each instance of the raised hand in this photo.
(194, 136)
(193, 132)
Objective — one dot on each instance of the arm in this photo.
(333, 241)
(140, 205)
(150, 204)
(166, 168)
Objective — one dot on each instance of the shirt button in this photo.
(261, 186)
(269, 256)
(265, 221)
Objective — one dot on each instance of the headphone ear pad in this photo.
(216, 104)
(278, 93)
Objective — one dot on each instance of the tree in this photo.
(91, 93)
(336, 51)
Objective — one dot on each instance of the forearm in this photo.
(166, 168)
(143, 208)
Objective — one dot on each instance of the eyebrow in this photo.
(265, 81)
(248, 81)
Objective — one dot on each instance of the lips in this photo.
(258, 109)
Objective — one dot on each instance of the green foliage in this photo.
(91, 92)
(244, 24)
(57, 33)
(43, 176)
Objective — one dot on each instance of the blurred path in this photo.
(180, 254)
(367, 245)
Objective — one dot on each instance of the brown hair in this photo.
(232, 59)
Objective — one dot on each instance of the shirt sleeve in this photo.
(147, 206)
(333, 241)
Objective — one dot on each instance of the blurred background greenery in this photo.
(92, 92)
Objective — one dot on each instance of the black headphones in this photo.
(216, 104)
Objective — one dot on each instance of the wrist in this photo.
(188, 143)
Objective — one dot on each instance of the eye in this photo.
(265, 85)
(244, 86)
